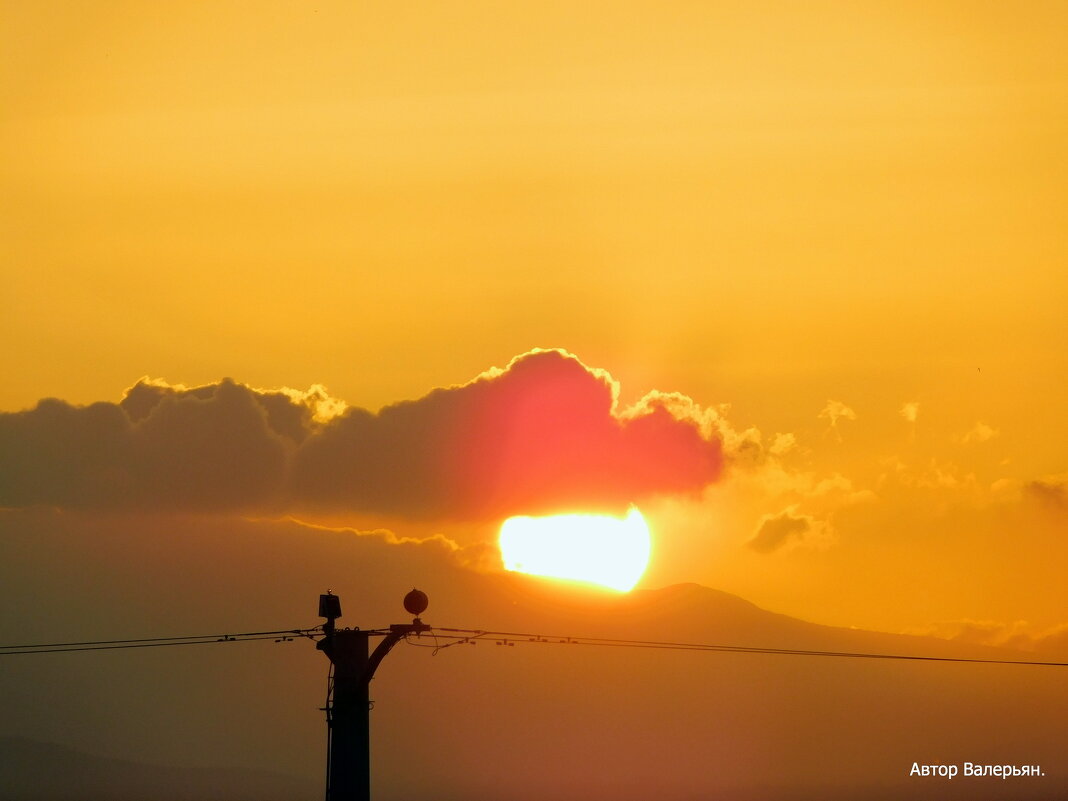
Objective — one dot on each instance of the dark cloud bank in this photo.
(543, 434)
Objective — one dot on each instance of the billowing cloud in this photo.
(775, 531)
(1018, 634)
(208, 448)
(782, 444)
(835, 411)
(544, 433)
(1051, 491)
(910, 411)
(979, 433)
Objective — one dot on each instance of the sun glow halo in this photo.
(599, 549)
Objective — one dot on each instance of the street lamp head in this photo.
(415, 602)
(329, 606)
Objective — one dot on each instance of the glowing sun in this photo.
(599, 549)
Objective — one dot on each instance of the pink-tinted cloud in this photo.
(543, 434)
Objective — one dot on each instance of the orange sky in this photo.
(804, 266)
(816, 214)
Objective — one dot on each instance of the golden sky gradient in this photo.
(788, 276)
(844, 220)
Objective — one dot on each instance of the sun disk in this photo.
(599, 549)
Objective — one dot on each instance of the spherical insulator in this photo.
(416, 602)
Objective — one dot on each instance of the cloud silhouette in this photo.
(1051, 492)
(774, 531)
(1017, 634)
(543, 434)
(208, 448)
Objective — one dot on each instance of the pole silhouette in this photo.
(348, 704)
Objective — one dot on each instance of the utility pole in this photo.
(348, 704)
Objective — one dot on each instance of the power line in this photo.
(281, 635)
(472, 636)
(456, 636)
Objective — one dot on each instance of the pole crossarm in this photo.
(397, 632)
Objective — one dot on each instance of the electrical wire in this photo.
(472, 636)
(456, 636)
(281, 635)
(437, 646)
